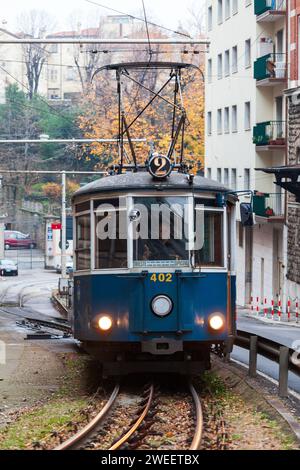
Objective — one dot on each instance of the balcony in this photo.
(268, 207)
(269, 10)
(270, 70)
(269, 135)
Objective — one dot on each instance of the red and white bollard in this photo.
(289, 309)
(252, 303)
(272, 308)
(265, 307)
(257, 306)
(279, 308)
(297, 310)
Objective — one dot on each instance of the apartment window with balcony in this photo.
(233, 179)
(209, 70)
(234, 119)
(226, 120)
(227, 9)
(220, 66)
(219, 121)
(209, 18)
(234, 7)
(209, 123)
(226, 176)
(248, 53)
(220, 11)
(234, 59)
(227, 63)
(247, 116)
(219, 175)
(246, 179)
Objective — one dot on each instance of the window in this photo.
(219, 123)
(227, 9)
(209, 19)
(111, 235)
(298, 155)
(209, 70)
(71, 73)
(226, 176)
(234, 119)
(53, 48)
(234, 59)
(246, 179)
(248, 53)
(212, 253)
(209, 123)
(220, 11)
(247, 118)
(220, 66)
(83, 242)
(208, 173)
(162, 232)
(233, 179)
(234, 6)
(53, 75)
(219, 175)
(227, 64)
(226, 120)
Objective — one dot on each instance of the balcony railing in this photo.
(261, 6)
(270, 66)
(269, 133)
(268, 204)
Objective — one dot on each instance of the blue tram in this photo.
(154, 279)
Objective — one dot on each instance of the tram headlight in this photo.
(105, 323)
(216, 321)
(162, 305)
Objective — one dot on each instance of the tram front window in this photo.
(212, 252)
(160, 232)
(83, 242)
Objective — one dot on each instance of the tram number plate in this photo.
(162, 277)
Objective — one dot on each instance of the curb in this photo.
(269, 321)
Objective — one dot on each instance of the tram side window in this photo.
(111, 242)
(212, 252)
(83, 242)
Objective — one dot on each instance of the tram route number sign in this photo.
(160, 166)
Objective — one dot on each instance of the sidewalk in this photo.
(247, 313)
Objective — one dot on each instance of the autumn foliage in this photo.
(100, 116)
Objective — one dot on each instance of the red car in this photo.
(13, 239)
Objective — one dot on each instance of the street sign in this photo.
(56, 226)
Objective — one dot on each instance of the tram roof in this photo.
(142, 181)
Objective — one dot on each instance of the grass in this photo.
(60, 409)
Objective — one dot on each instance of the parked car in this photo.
(69, 266)
(8, 268)
(14, 239)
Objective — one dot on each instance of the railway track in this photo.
(137, 428)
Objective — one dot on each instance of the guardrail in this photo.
(287, 358)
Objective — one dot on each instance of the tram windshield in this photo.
(160, 233)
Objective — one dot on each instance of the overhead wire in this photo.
(139, 19)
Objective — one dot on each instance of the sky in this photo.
(166, 12)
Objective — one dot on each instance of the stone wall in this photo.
(293, 267)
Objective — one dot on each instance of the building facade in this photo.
(246, 75)
(293, 94)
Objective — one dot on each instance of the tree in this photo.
(34, 24)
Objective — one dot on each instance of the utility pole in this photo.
(63, 226)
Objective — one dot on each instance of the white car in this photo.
(69, 266)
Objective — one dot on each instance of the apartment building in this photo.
(11, 64)
(246, 75)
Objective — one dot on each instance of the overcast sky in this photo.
(167, 12)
